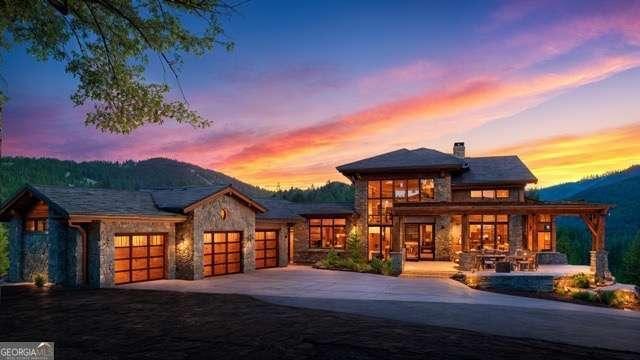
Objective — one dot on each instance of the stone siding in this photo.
(58, 242)
(551, 258)
(185, 250)
(35, 255)
(16, 259)
(206, 217)
(107, 229)
(443, 188)
(515, 233)
(283, 238)
(443, 239)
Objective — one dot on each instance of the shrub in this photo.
(355, 247)
(581, 281)
(39, 280)
(459, 276)
(585, 296)
(376, 265)
(387, 268)
(4, 250)
(617, 298)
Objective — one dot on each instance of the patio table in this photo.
(494, 257)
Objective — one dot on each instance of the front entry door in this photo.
(419, 241)
(427, 243)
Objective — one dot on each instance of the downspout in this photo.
(85, 250)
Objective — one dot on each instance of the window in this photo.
(36, 225)
(544, 232)
(379, 240)
(489, 232)
(489, 194)
(327, 233)
(381, 194)
(380, 201)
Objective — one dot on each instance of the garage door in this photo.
(266, 249)
(139, 257)
(222, 253)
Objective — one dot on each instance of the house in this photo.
(410, 205)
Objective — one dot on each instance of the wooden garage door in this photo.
(266, 249)
(139, 257)
(222, 253)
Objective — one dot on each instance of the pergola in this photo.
(594, 215)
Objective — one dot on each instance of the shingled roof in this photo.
(494, 170)
(404, 160)
(180, 199)
(277, 209)
(91, 201)
(323, 208)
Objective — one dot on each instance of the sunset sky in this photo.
(313, 85)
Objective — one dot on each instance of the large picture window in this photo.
(381, 194)
(327, 233)
(489, 232)
(379, 240)
(544, 233)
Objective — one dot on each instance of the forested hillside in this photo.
(620, 189)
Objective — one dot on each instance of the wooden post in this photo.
(553, 233)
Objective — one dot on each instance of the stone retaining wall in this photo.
(536, 283)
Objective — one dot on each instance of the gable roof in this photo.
(494, 170)
(89, 201)
(404, 160)
(183, 200)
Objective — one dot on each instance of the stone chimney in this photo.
(458, 150)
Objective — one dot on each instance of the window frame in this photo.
(480, 194)
(378, 215)
(334, 235)
(35, 221)
(496, 222)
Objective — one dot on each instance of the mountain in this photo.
(577, 188)
(620, 189)
(128, 175)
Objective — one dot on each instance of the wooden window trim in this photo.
(381, 198)
(495, 224)
(277, 239)
(495, 194)
(333, 227)
(35, 221)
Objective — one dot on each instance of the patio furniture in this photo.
(503, 266)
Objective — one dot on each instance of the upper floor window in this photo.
(381, 194)
(326, 233)
(36, 225)
(489, 194)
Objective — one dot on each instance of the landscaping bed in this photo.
(578, 289)
(118, 323)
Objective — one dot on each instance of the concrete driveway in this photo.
(441, 302)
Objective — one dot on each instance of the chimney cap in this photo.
(458, 143)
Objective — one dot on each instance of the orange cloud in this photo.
(573, 157)
(294, 149)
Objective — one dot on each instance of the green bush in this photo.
(376, 265)
(617, 298)
(39, 280)
(581, 281)
(585, 296)
(387, 268)
(355, 247)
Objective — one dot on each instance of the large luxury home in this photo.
(410, 205)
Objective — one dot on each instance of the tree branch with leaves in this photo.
(108, 44)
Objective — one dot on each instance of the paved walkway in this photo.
(441, 302)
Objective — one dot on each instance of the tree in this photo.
(107, 46)
(631, 263)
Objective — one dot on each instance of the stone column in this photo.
(599, 265)
(515, 233)
(465, 233)
(15, 249)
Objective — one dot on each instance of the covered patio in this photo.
(524, 229)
